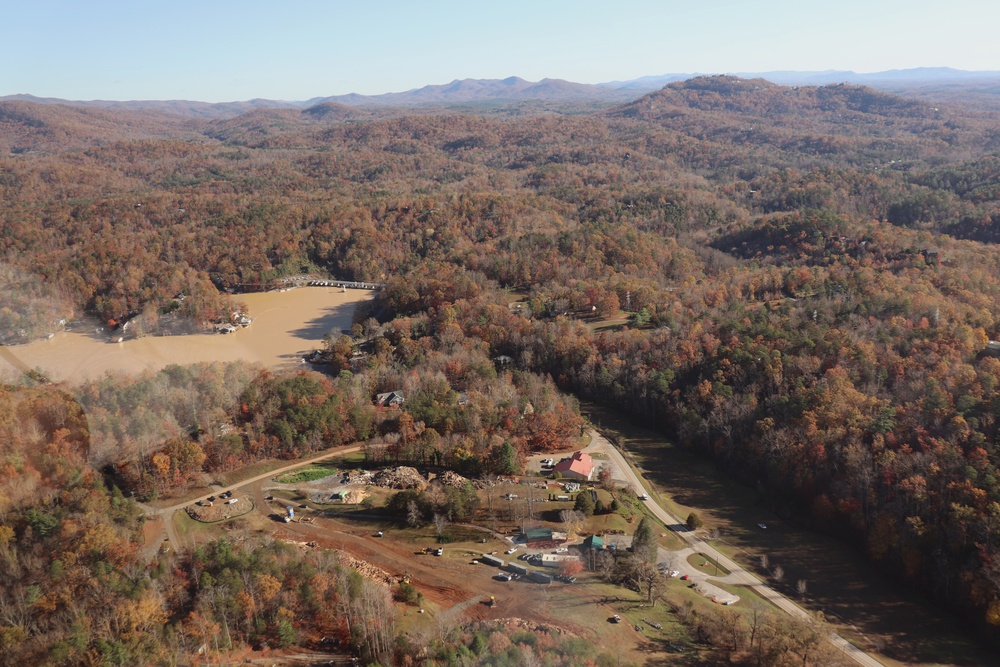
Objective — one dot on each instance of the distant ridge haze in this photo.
(515, 90)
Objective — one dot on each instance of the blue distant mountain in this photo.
(927, 82)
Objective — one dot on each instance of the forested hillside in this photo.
(799, 283)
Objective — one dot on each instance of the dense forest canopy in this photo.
(797, 282)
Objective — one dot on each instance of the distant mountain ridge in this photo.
(926, 75)
(927, 82)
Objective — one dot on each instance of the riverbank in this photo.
(286, 326)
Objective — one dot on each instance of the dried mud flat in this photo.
(286, 326)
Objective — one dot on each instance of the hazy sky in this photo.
(223, 50)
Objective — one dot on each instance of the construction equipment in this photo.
(492, 602)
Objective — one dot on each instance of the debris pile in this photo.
(367, 570)
(358, 477)
(453, 479)
(402, 477)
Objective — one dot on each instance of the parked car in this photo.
(673, 573)
(511, 550)
(379, 534)
(762, 526)
(616, 619)
(685, 577)
(439, 552)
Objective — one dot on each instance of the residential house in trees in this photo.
(389, 398)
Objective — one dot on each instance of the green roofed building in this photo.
(538, 535)
(593, 542)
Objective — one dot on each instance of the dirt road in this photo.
(167, 513)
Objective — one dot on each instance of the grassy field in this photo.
(707, 564)
(673, 637)
(309, 473)
(190, 531)
(866, 608)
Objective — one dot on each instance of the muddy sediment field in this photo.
(286, 326)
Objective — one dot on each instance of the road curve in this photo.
(168, 512)
(738, 573)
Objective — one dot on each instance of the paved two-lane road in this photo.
(738, 573)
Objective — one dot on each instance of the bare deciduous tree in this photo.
(440, 523)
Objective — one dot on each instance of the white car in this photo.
(511, 550)
(643, 496)
(673, 573)
(762, 526)
(562, 550)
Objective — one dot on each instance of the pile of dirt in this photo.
(355, 496)
(347, 496)
(402, 477)
(453, 479)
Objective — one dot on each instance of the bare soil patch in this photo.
(220, 509)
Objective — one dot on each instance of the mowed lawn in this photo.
(902, 627)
